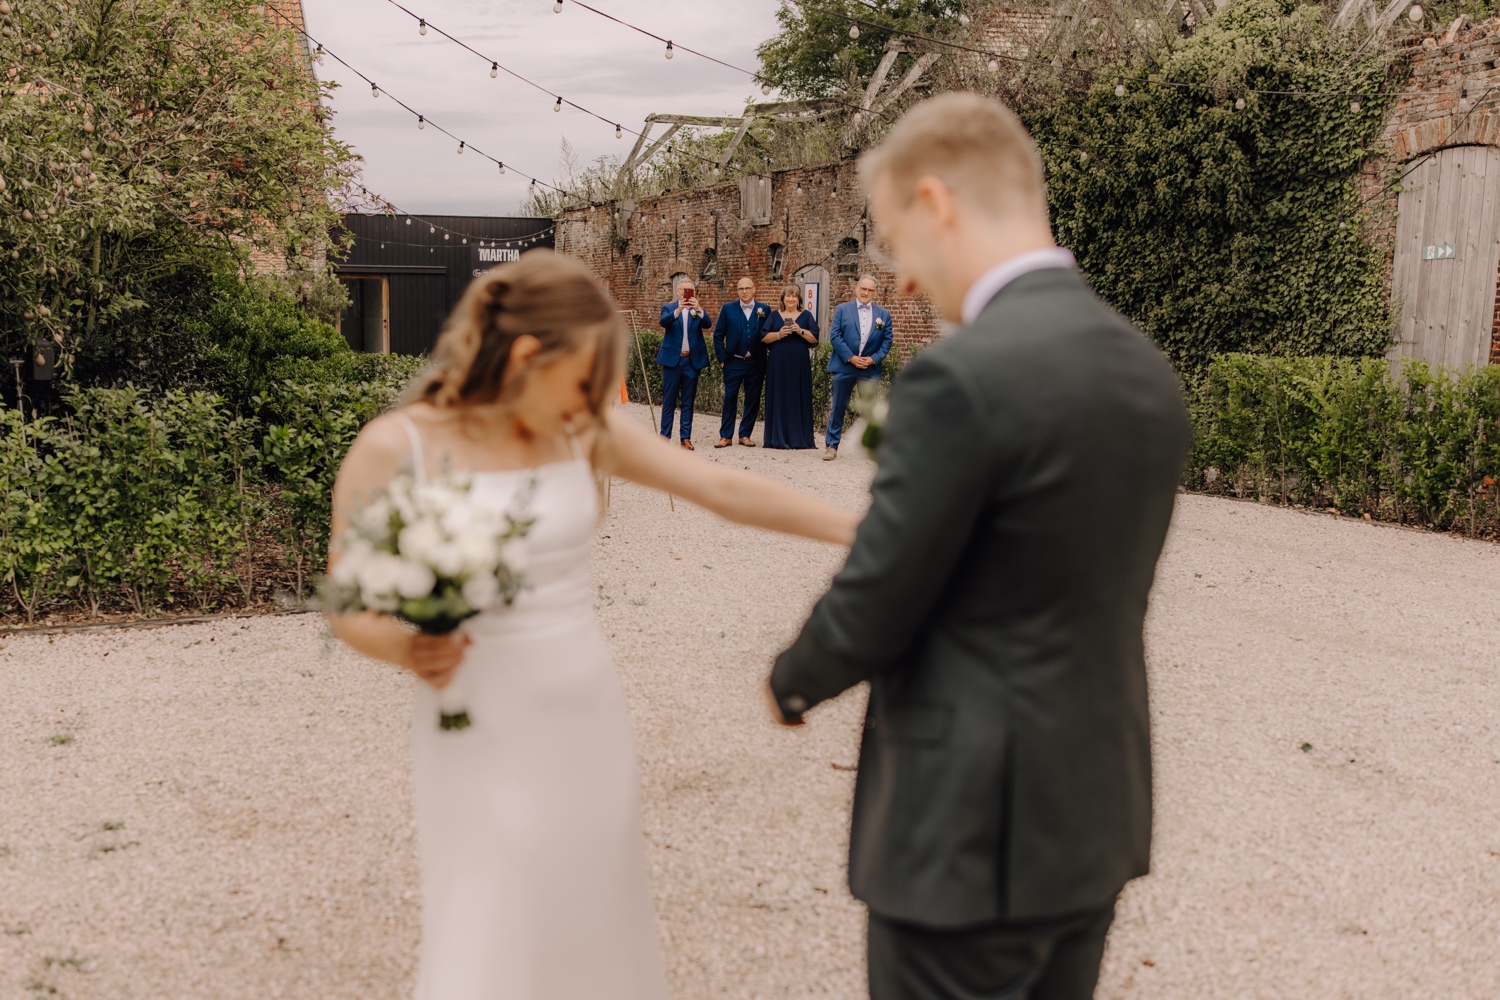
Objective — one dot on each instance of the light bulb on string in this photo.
(853, 30)
(421, 122)
(1415, 13)
(618, 133)
(460, 147)
(421, 26)
(1354, 105)
(466, 241)
(408, 220)
(502, 167)
(1083, 156)
(765, 90)
(669, 50)
(557, 7)
(994, 65)
(1239, 104)
(558, 105)
(494, 70)
(432, 229)
(447, 236)
(374, 90)
(1120, 86)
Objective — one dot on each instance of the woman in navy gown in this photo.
(788, 335)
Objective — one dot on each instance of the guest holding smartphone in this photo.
(683, 354)
(789, 335)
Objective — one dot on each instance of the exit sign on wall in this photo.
(1443, 251)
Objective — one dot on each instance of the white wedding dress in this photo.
(534, 882)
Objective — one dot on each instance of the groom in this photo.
(1026, 481)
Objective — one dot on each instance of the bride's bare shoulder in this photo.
(382, 443)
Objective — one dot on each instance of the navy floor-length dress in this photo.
(789, 416)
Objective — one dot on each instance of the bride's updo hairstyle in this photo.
(545, 294)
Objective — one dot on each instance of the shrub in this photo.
(1409, 443)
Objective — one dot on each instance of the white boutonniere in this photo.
(697, 313)
(760, 312)
(880, 324)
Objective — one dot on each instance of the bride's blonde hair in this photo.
(545, 294)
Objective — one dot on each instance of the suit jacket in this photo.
(670, 355)
(734, 335)
(843, 336)
(994, 599)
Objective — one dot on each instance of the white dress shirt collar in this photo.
(990, 282)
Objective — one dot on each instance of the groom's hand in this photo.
(776, 709)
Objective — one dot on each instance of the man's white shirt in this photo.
(866, 320)
(990, 282)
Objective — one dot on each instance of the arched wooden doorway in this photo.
(1447, 251)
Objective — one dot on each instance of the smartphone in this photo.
(688, 293)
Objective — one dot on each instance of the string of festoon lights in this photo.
(390, 209)
(559, 101)
(319, 50)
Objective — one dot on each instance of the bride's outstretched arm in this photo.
(642, 457)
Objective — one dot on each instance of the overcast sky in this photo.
(601, 65)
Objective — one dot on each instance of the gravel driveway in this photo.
(221, 811)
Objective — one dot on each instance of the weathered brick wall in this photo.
(815, 211)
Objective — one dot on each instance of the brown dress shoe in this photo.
(724, 443)
(687, 444)
(747, 442)
(829, 454)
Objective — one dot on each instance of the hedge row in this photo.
(136, 502)
(711, 379)
(1397, 441)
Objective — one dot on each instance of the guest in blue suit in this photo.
(683, 354)
(860, 336)
(743, 358)
(789, 334)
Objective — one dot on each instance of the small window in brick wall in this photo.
(710, 270)
(848, 257)
(777, 261)
(638, 264)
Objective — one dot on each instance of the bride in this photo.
(534, 883)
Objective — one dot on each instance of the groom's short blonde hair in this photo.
(974, 145)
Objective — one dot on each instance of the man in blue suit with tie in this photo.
(738, 348)
(683, 354)
(860, 336)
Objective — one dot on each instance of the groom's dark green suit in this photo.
(994, 599)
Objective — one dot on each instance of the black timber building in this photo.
(405, 272)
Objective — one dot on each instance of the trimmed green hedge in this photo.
(1397, 441)
(138, 501)
(711, 379)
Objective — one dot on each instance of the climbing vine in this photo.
(1219, 217)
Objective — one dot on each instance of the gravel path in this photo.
(221, 811)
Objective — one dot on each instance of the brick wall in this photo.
(815, 212)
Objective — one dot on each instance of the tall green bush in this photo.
(1406, 443)
(1219, 228)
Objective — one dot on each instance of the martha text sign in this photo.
(1443, 251)
(485, 258)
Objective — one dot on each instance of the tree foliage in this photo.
(1219, 228)
(145, 145)
(813, 56)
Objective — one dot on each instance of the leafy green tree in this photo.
(146, 146)
(813, 55)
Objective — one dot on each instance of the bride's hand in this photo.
(434, 658)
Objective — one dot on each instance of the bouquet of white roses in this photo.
(873, 409)
(427, 554)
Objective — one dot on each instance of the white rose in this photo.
(375, 518)
(480, 591)
(352, 557)
(479, 549)
(416, 580)
(513, 555)
(447, 559)
(420, 541)
(373, 601)
(378, 574)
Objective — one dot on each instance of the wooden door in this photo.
(1447, 250)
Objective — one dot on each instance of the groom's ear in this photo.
(932, 196)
